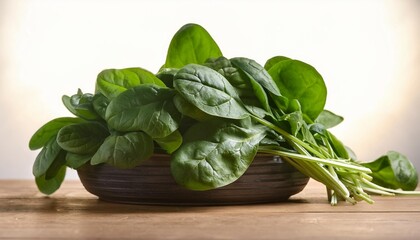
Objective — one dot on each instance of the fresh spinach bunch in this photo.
(213, 115)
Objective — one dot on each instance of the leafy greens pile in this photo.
(213, 115)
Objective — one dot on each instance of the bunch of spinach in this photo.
(213, 115)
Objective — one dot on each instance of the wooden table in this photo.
(72, 213)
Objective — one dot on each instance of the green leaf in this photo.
(49, 130)
(82, 138)
(49, 186)
(215, 154)
(295, 121)
(252, 105)
(67, 103)
(209, 91)
(80, 104)
(351, 153)
(126, 151)
(75, 161)
(191, 44)
(256, 72)
(298, 80)
(188, 109)
(273, 61)
(329, 119)
(46, 157)
(167, 76)
(100, 104)
(250, 92)
(112, 82)
(338, 146)
(57, 164)
(171, 142)
(258, 103)
(223, 66)
(147, 108)
(272, 138)
(395, 171)
(307, 135)
(318, 129)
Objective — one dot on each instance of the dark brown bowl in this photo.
(268, 179)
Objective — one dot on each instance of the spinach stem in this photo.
(371, 185)
(288, 136)
(330, 162)
(343, 178)
(314, 170)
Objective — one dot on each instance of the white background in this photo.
(367, 51)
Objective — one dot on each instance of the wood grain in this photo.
(72, 213)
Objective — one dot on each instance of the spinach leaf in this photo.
(298, 80)
(75, 161)
(46, 157)
(272, 138)
(260, 94)
(215, 154)
(49, 130)
(147, 108)
(393, 170)
(297, 127)
(82, 138)
(223, 66)
(351, 153)
(67, 103)
(295, 121)
(80, 104)
(328, 119)
(273, 61)
(171, 142)
(308, 137)
(126, 151)
(191, 44)
(252, 105)
(57, 164)
(190, 110)
(282, 103)
(318, 129)
(209, 91)
(250, 92)
(167, 76)
(100, 104)
(49, 186)
(254, 98)
(112, 82)
(256, 72)
(338, 146)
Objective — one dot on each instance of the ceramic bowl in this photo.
(268, 179)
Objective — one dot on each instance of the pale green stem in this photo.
(375, 186)
(325, 177)
(330, 162)
(288, 136)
